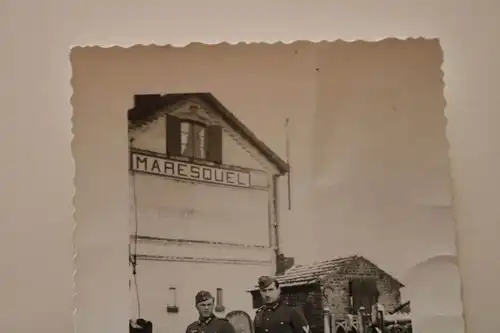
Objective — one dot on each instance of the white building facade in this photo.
(203, 213)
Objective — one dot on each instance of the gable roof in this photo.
(302, 275)
(140, 115)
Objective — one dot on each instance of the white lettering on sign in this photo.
(183, 170)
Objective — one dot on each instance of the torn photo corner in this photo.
(320, 168)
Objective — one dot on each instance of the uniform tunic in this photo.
(280, 318)
(212, 324)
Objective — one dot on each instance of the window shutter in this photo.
(173, 135)
(213, 144)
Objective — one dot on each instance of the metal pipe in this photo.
(276, 219)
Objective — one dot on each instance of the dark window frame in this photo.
(212, 139)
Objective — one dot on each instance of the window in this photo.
(192, 139)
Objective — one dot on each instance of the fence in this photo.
(361, 323)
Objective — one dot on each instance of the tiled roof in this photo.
(312, 273)
(301, 275)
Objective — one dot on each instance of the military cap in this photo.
(265, 281)
(202, 296)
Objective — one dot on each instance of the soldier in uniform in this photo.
(207, 321)
(275, 316)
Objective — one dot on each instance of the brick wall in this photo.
(337, 287)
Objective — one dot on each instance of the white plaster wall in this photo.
(151, 137)
(188, 210)
(236, 153)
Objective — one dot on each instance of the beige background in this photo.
(36, 91)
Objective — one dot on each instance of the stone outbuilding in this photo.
(341, 286)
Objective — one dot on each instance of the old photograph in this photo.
(294, 188)
(204, 193)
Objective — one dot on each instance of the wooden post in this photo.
(326, 320)
(361, 327)
(381, 321)
(362, 315)
(333, 323)
(350, 321)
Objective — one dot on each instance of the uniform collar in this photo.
(273, 306)
(206, 321)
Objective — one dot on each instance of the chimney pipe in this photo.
(284, 263)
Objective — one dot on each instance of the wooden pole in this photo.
(361, 327)
(289, 182)
(381, 321)
(326, 320)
